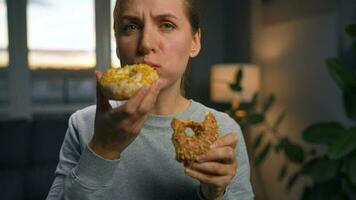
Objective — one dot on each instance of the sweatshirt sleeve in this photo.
(80, 173)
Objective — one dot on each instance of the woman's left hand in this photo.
(216, 168)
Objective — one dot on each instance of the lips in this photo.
(152, 64)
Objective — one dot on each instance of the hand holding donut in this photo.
(216, 168)
(116, 128)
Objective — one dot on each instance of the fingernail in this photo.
(187, 170)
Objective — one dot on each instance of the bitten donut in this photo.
(189, 147)
(122, 83)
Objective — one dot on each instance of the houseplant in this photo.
(331, 168)
(268, 137)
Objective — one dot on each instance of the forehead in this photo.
(153, 7)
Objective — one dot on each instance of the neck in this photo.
(170, 101)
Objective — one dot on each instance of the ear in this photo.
(196, 44)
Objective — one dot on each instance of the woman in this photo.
(123, 150)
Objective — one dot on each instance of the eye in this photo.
(167, 26)
(130, 28)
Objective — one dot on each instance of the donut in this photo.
(122, 83)
(189, 147)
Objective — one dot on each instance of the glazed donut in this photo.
(122, 83)
(189, 147)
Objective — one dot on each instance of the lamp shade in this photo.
(222, 75)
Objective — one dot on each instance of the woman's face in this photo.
(157, 32)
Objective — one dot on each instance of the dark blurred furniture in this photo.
(29, 152)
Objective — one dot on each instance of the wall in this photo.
(225, 38)
(291, 50)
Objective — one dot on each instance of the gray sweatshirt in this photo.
(147, 168)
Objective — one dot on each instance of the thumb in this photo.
(102, 103)
(230, 139)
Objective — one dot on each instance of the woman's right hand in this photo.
(116, 128)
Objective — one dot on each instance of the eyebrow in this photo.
(160, 16)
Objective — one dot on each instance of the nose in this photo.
(147, 43)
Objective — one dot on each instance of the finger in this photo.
(102, 103)
(230, 139)
(213, 168)
(131, 106)
(219, 181)
(139, 124)
(224, 154)
(129, 109)
(150, 98)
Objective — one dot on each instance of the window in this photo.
(4, 55)
(61, 34)
(115, 62)
(63, 87)
(47, 91)
(81, 90)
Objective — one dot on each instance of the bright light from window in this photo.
(61, 34)
(4, 54)
(115, 62)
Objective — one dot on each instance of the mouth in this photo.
(154, 65)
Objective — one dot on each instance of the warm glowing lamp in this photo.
(222, 75)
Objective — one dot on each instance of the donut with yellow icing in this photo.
(122, 83)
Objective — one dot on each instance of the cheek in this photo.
(177, 51)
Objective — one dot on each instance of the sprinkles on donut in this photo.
(122, 83)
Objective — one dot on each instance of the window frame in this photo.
(20, 103)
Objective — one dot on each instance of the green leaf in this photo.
(351, 30)
(239, 76)
(323, 133)
(282, 172)
(262, 155)
(329, 190)
(349, 184)
(281, 143)
(254, 101)
(321, 169)
(351, 168)
(350, 105)
(343, 145)
(312, 152)
(279, 120)
(258, 140)
(236, 87)
(294, 152)
(308, 194)
(246, 106)
(268, 103)
(292, 180)
(342, 75)
(255, 118)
